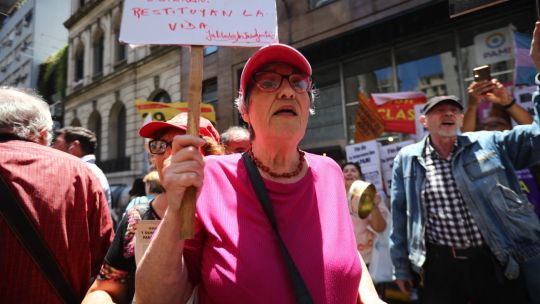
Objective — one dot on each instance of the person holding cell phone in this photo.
(503, 108)
(460, 220)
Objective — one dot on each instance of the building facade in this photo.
(353, 46)
(28, 37)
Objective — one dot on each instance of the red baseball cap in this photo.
(179, 122)
(273, 53)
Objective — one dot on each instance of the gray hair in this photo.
(226, 136)
(24, 114)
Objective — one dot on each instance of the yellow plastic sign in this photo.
(160, 111)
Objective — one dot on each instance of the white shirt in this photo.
(90, 160)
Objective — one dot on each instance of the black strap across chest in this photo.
(300, 290)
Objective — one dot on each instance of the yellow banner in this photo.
(164, 111)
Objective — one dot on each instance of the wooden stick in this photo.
(187, 210)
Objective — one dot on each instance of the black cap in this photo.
(438, 99)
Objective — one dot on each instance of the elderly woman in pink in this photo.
(365, 229)
(289, 241)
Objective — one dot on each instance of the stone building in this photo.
(369, 46)
(27, 38)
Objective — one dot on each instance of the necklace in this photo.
(264, 168)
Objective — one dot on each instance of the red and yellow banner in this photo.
(397, 110)
(164, 111)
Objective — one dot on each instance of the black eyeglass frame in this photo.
(304, 77)
(162, 147)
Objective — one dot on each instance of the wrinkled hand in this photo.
(535, 46)
(182, 169)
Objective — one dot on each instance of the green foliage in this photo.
(52, 74)
(20, 3)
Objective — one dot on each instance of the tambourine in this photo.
(361, 198)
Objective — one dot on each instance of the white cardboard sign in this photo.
(366, 154)
(143, 236)
(245, 23)
(387, 154)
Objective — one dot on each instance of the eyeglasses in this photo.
(158, 146)
(271, 81)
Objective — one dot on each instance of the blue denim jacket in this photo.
(483, 166)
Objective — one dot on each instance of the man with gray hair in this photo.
(61, 198)
(235, 140)
(82, 143)
(460, 219)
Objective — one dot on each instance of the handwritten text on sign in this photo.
(200, 22)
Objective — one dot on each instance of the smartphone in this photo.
(482, 73)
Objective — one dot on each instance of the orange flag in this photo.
(369, 124)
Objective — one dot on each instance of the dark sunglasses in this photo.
(158, 146)
(271, 81)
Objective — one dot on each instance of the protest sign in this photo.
(164, 111)
(366, 154)
(143, 236)
(200, 22)
(528, 185)
(387, 155)
(397, 110)
(523, 97)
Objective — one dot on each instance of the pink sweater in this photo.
(235, 256)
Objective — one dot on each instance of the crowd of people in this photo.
(273, 223)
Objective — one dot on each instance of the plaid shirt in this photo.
(449, 222)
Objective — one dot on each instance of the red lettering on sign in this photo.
(187, 25)
(246, 37)
(138, 12)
